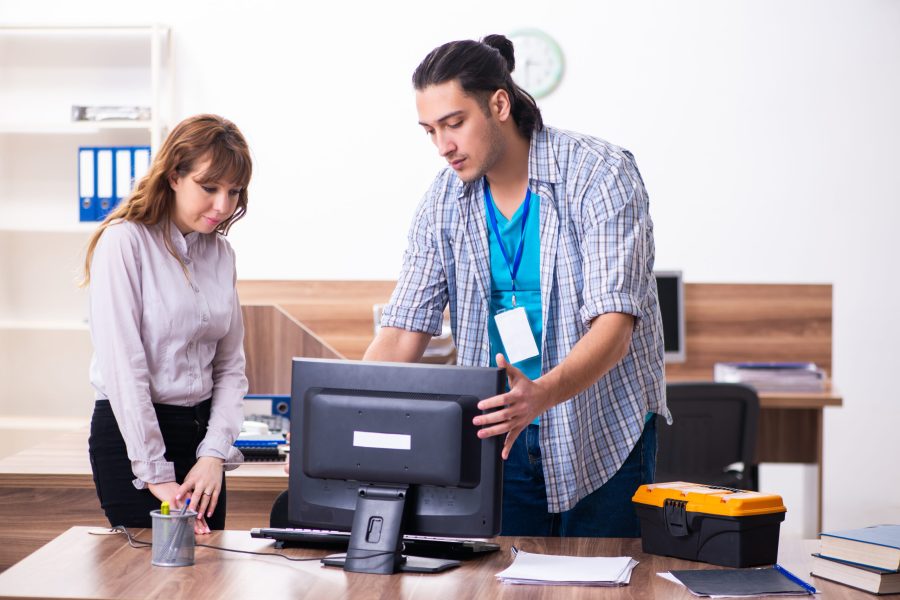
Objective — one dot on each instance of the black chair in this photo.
(713, 437)
(278, 516)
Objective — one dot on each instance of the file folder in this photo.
(124, 171)
(106, 176)
(104, 182)
(141, 163)
(87, 209)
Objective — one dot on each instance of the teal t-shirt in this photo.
(528, 278)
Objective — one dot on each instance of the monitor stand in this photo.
(375, 540)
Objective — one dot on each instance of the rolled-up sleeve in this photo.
(116, 312)
(615, 245)
(229, 388)
(418, 301)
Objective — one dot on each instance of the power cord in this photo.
(136, 543)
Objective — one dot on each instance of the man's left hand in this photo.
(525, 401)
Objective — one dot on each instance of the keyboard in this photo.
(414, 545)
(265, 447)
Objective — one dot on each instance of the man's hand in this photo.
(525, 401)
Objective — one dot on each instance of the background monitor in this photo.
(671, 307)
(385, 449)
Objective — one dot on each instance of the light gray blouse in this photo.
(163, 337)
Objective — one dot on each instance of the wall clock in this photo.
(539, 61)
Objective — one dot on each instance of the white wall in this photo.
(766, 132)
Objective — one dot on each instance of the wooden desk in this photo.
(46, 489)
(80, 565)
(723, 322)
(791, 430)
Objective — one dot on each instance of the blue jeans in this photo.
(606, 512)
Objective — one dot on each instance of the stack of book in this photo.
(867, 559)
(772, 376)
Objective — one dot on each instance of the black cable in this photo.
(136, 543)
(132, 541)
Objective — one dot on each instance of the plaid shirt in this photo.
(596, 257)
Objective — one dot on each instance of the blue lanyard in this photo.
(489, 207)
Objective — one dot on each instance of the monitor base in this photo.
(408, 564)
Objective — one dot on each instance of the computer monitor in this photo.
(671, 306)
(386, 449)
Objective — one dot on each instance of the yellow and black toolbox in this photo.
(720, 526)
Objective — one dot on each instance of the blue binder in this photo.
(106, 175)
(87, 187)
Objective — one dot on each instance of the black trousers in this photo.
(182, 429)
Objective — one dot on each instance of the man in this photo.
(541, 242)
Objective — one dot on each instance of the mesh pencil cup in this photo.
(173, 539)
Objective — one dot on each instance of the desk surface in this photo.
(80, 565)
(63, 460)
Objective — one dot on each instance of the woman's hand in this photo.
(203, 485)
(165, 492)
(168, 492)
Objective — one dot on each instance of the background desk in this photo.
(80, 565)
(723, 322)
(46, 489)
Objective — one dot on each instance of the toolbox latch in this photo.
(676, 517)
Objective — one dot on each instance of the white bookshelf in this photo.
(44, 339)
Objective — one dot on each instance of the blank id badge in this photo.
(516, 335)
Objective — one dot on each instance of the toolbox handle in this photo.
(676, 517)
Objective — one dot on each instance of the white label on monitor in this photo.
(390, 441)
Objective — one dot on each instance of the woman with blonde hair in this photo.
(168, 364)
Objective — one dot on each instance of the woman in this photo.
(168, 364)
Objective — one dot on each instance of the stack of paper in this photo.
(772, 377)
(548, 569)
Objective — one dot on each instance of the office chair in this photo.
(713, 437)
(278, 516)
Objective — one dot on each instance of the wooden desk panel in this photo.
(80, 565)
(340, 312)
(753, 322)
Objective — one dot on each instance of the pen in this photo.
(809, 589)
(171, 551)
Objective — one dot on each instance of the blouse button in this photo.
(194, 285)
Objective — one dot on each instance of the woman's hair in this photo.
(194, 140)
(481, 68)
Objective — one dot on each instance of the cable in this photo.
(132, 541)
(136, 543)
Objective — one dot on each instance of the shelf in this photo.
(92, 30)
(45, 342)
(45, 214)
(49, 227)
(16, 325)
(43, 423)
(73, 128)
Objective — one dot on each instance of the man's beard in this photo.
(495, 148)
